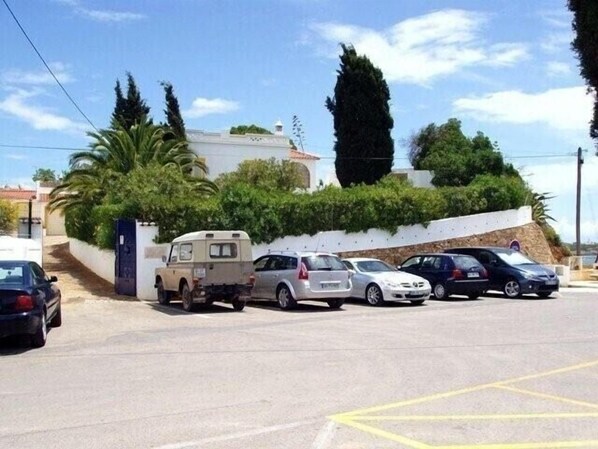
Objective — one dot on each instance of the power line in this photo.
(32, 147)
(47, 66)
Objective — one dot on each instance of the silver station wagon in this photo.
(289, 276)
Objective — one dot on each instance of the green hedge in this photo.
(267, 216)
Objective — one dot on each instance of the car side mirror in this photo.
(164, 259)
(351, 273)
(53, 279)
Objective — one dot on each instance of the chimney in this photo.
(278, 128)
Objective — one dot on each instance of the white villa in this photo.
(223, 152)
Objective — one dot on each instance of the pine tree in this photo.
(585, 44)
(174, 120)
(362, 121)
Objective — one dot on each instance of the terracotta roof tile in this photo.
(294, 154)
(16, 194)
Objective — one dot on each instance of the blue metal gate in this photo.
(125, 276)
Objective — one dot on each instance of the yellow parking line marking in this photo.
(547, 396)
(550, 373)
(381, 433)
(546, 445)
(475, 417)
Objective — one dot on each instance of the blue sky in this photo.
(502, 67)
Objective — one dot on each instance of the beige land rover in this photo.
(207, 266)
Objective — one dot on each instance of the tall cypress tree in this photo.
(119, 107)
(136, 108)
(362, 121)
(585, 44)
(174, 120)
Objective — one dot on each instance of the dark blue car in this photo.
(512, 272)
(29, 301)
(449, 274)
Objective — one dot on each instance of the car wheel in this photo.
(440, 291)
(335, 303)
(39, 338)
(57, 320)
(544, 295)
(512, 289)
(238, 304)
(187, 298)
(374, 295)
(163, 295)
(285, 298)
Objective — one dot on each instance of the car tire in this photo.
(57, 320)
(187, 298)
(374, 295)
(544, 295)
(335, 303)
(238, 304)
(417, 302)
(512, 289)
(285, 298)
(38, 339)
(163, 295)
(440, 291)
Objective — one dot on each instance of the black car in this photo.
(513, 273)
(29, 301)
(449, 274)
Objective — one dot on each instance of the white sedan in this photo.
(378, 282)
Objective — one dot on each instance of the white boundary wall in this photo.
(100, 261)
(448, 228)
(149, 254)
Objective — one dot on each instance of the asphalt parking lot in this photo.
(492, 373)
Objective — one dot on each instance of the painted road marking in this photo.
(358, 418)
(325, 436)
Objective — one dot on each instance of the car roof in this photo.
(361, 259)
(489, 248)
(299, 253)
(15, 262)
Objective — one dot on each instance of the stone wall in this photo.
(531, 237)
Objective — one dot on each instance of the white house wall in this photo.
(100, 261)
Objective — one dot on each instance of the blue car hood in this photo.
(537, 270)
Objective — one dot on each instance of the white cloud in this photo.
(421, 49)
(206, 106)
(564, 109)
(109, 16)
(566, 229)
(16, 157)
(557, 18)
(555, 68)
(560, 176)
(40, 77)
(16, 104)
(101, 15)
(556, 42)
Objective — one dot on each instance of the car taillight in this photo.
(457, 274)
(303, 273)
(484, 273)
(251, 279)
(24, 303)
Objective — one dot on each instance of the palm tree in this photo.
(116, 152)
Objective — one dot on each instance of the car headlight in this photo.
(527, 275)
(390, 284)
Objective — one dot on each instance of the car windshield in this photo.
(515, 258)
(374, 266)
(323, 262)
(11, 274)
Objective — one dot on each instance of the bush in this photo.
(8, 216)
(79, 223)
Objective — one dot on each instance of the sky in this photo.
(504, 68)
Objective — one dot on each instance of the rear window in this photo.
(11, 274)
(466, 262)
(323, 263)
(223, 250)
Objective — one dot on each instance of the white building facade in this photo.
(223, 152)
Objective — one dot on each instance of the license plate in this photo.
(473, 275)
(329, 285)
(551, 282)
(416, 293)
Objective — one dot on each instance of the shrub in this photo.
(8, 216)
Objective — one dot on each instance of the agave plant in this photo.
(540, 208)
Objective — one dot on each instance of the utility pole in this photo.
(578, 204)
